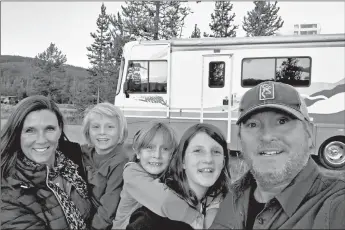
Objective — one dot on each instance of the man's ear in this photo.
(310, 128)
(239, 140)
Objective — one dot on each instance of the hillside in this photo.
(18, 76)
(15, 66)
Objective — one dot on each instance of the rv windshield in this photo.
(147, 76)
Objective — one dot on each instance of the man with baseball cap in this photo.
(283, 188)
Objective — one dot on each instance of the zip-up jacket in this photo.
(105, 180)
(30, 199)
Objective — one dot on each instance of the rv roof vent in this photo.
(216, 51)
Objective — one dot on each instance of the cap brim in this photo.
(284, 108)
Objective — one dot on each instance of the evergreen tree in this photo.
(100, 60)
(222, 20)
(196, 32)
(263, 20)
(49, 72)
(289, 71)
(154, 20)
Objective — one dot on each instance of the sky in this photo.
(27, 28)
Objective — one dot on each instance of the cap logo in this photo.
(266, 91)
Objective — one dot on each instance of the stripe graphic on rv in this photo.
(324, 94)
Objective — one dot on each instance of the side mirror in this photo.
(125, 89)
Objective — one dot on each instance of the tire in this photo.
(332, 153)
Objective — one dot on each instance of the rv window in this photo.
(216, 74)
(294, 71)
(147, 77)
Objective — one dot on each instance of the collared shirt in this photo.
(311, 201)
(205, 221)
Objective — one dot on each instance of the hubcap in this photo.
(335, 153)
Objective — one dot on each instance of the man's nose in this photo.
(267, 133)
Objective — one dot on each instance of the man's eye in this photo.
(51, 129)
(251, 125)
(282, 121)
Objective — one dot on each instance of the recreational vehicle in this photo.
(186, 81)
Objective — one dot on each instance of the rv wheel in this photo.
(332, 153)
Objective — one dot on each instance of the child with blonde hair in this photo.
(104, 157)
(154, 147)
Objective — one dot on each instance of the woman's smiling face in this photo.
(40, 136)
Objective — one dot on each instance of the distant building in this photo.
(306, 29)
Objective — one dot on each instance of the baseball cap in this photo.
(276, 95)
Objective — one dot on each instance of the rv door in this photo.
(216, 90)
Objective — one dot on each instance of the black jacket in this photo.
(28, 203)
(145, 219)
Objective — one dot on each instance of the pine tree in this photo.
(154, 20)
(263, 20)
(289, 71)
(50, 68)
(100, 60)
(222, 20)
(196, 32)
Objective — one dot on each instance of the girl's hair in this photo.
(11, 132)
(175, 176)
(105, 109)
(144, 136)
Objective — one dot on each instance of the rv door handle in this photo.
(225, 101)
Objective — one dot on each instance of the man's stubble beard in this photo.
(281, 174)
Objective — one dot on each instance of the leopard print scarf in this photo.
(65, 168)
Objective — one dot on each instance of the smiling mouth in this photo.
(40, 150)
(206, 170)
(270, 153)
(103, 139)
(155, 164)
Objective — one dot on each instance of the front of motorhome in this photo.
(186, 81)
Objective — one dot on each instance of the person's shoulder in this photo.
(117, 158)
(333, 188)
(332, 182)
(133, 169)
(121, 151)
